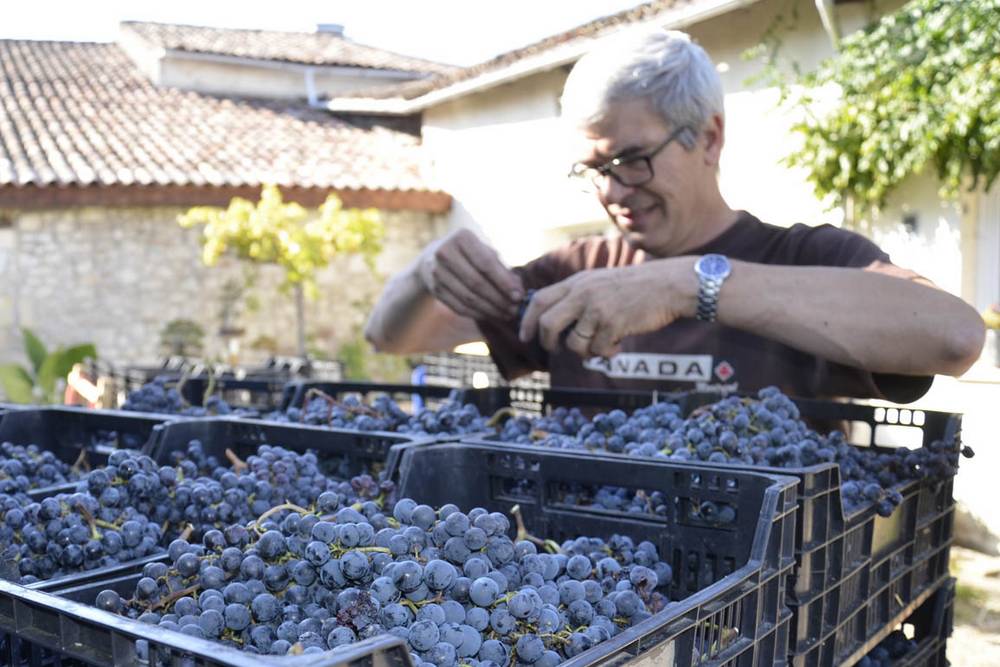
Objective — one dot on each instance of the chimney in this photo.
(331, 29)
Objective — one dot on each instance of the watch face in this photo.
(713, 266)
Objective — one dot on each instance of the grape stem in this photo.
(523, 534)
(275, 510)
(209, 388)
(81, 462)
(186, 533)
(500, 416)
(239, 465)
(334, 403)
(181, 381)
(94, 533)
(176, 595)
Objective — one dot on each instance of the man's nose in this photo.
(611, 191)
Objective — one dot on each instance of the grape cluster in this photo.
(384, 414)
(159, 397)
(70, 533)
(200, 493)
(889, 650)
(132, 507)
(23, 468)
(453, 585)
(766, 431)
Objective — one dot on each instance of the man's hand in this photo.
(466, 275)
(600, 307)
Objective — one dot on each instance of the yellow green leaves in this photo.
(287, 234)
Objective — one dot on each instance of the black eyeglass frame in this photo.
(580, 170)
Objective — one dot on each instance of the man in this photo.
(690, 293)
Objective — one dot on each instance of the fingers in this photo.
(450, 286)
(453, 302)
(557, 319)
(581, 337)
(606, 341)
(484, 259)
(540, 303)
(465, 279)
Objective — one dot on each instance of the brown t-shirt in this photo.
(689, 354)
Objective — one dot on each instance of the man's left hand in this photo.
(600, 307)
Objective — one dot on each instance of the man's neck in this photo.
(711, 224)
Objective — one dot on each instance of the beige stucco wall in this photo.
(116, 276)
(286, 81)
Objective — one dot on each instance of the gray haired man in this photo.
(689, 293)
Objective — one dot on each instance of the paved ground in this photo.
(976, 640)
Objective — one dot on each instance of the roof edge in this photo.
(34, 197)
(671, 18)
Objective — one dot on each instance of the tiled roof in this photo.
(78, 114)
(597, 28)
(307, 48)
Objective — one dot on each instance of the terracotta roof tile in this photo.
(307, 48)
(82, 114)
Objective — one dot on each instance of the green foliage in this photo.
(182, 337)
(40, 383)
(361, 362)
(920, 87)
(284, 233)
(991, 316)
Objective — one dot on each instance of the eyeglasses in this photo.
(631, 171)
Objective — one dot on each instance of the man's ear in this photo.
(714, 137)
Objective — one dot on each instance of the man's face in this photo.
(656, 216)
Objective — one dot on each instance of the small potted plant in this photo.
(992, 318)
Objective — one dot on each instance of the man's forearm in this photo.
(855, 317)
(404, 303)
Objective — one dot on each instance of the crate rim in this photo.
(214, 652)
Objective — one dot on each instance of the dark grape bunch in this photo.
(200, 493)
(765, 431)
(23, 468)
(453, 585)
(384, 414)
(132, 507)
(159, 397)
(69, 533)
(889, 651)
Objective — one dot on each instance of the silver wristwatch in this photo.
(712, 271)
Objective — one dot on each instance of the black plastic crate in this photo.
(38, 629)
(97, 574)
(843, 562)
(67, 432)
(361, 451)
(729, 580)
(256, 392)
(929, 626)
(296, 393)
(522, 400)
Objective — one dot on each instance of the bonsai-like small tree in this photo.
(300, 241)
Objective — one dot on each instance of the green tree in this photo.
(301, 242)
(41, 383)
(919, 87)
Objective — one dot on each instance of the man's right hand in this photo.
(467, 275)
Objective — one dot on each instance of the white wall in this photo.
(498, 155)
(231, 78)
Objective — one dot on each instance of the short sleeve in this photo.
(826, 245)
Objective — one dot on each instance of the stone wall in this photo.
(116, 276)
